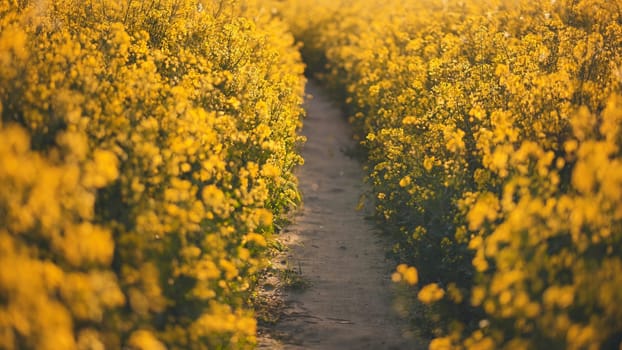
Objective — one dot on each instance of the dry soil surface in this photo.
(348, 302)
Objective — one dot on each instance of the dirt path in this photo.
(348, 303)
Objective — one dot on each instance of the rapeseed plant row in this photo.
(493, 132)
(146, 153)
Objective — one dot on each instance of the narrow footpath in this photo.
(348, 303)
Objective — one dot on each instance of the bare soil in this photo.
(333, 290)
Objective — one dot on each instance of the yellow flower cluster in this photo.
(405, 273)
(146, 154)
(494, 147)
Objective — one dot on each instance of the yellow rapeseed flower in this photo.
(430, 293)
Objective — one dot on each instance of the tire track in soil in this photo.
(349, 301)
